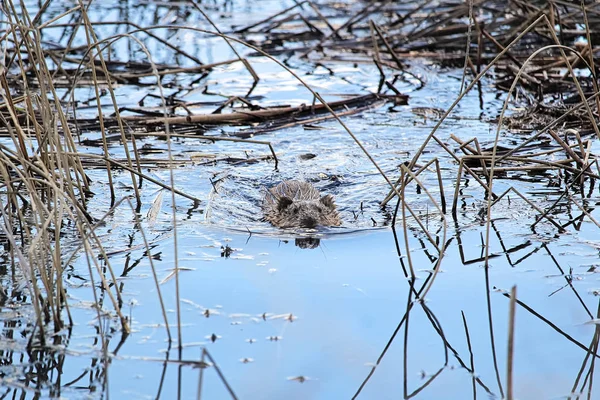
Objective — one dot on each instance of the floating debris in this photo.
(213, 337)
(299, 378)
(226, 251)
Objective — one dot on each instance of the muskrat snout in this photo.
(308, 222)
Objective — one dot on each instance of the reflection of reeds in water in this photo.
(484, 167)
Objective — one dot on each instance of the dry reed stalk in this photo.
(92, 41)
(462, 94)
(240, 58)
(493, 158)
(511, 344)
(259, 115)
(47, 188)
(442, 248)
(49, 181)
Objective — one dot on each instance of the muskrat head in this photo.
(307, 213)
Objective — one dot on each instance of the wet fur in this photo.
(295, 204)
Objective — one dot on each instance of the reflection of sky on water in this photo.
(348, 297)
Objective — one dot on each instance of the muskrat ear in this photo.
(327, 201)
(284, 202)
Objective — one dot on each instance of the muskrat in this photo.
(295, 204)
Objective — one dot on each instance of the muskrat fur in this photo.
(295, 204)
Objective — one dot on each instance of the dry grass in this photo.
(45, 188)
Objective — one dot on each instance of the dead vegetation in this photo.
(539, 54)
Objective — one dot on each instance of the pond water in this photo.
(280, 321)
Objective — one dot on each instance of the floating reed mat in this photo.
(261, 118)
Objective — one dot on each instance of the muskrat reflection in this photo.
(307, 242)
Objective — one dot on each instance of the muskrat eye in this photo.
(283, 203)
